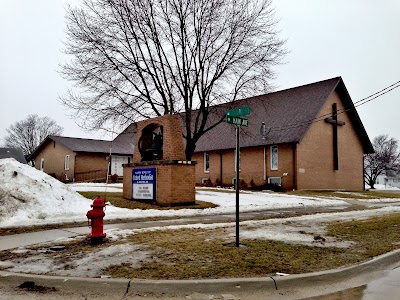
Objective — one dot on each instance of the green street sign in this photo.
(237, 121)
(237, 112)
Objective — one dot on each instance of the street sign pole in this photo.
(234, 116)
(237, 183)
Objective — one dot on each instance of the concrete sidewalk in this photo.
(32, 238)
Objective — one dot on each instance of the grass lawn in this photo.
(117, 200)
(199, 253)
(207, 253)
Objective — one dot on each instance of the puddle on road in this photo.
(350, 294)
(385, 288)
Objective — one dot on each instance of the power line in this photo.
(341, 111)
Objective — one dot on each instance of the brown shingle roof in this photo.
(83, 145)
(289, 113)
(121, 146)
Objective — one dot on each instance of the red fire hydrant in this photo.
(96, 216)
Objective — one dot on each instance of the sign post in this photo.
(237, 183)
(233, 116)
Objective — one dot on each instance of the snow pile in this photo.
(29, 194)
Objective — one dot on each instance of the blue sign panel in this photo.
(144, 184)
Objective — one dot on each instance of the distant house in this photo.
(314, 139)
(13, 153)
(388, 181)
(77, 159)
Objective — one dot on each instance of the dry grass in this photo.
(373, 236)
(117, 200)
(206, 253)
(195, 253)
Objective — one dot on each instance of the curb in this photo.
(321, 282)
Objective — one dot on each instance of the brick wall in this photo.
(91, 166)
(54, 159)
(252, 165)
(173, 148)
(175, 178)
(309, 164)
(315, 154)
(175, 182)
(86, 162)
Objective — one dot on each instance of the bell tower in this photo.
(159, 172)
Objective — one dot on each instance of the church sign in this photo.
(144, 184)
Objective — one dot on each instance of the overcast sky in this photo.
(356, 39)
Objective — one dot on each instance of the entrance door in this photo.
(116, 164)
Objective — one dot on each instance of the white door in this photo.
(116, 164)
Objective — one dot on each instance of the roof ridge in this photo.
(77, 138)
(338, 78)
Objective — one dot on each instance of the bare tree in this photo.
(135, 59)
(385, 160)
(30, 132)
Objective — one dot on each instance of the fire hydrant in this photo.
(96, 216)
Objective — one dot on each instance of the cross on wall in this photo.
(335, 123)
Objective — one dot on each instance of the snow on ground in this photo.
(31, 197)
(96, 187)
(79, 264)
(383, 187)
(306, 230)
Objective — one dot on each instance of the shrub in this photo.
(114, 178)
(243, 185)
(208, 183)
(252, 185)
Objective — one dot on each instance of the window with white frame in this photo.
(206, 162)
(274, 157)
(275, 180)
(41, 164)
(66, 167)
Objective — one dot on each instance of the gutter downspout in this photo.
(220, 166)
(73, 179)
(265, 164)
(294, 166)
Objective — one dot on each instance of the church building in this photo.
(312, 139)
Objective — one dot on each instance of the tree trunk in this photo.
(189, 150)
(372, 184)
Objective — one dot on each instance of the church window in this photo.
(274, 157)
(206, 162)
